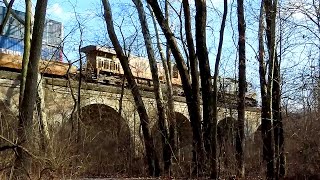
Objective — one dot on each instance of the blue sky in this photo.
(88, 12)
(94, 31)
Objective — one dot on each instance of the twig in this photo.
(24, 149)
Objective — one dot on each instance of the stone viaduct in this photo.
(59, 103)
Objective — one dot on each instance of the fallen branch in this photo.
(24, 149)
(3, 148)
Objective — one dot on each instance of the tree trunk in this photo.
(157, 86)
(26, 50)
(42, 117)
(153, 162)
(266, 86)
(242, 90)
(79, 113)
(206, 80)
(171, 114)
(25, 132)
(192, 57)
(277, 122)
(214, 160)
(193, 107)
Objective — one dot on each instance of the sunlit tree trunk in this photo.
(172, 135)
(193, 107)
(42, 117)
(194, 65)
(156, 85)
(25, 132)
(153, 162)
(26, 50)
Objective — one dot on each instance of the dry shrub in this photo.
(8, 124)
(8, 130)
(104, 148)
(302, 148)
(226, 134)
(303, 145)
(182, 161)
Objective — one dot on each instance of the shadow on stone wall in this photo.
(105, 147)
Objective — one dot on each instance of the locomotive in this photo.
(103, 66)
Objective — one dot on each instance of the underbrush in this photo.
(109, 154)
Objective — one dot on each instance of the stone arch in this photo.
(254, 151)
(226, 135)
(256, 135)
(110, 102)
(226, 130)
(184, 142)
(106, 140)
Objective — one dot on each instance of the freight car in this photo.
(51, 68)
(103, 66)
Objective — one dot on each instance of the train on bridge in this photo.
(101, 66)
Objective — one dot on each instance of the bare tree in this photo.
(242, 89)
(215, 89)
(153, 162)
(192, 102)
(156, 84)
(23, 161)
(270, 93)
(26, 50)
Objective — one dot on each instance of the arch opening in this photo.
(184, 145)
(184, 138)
(105, 142)
(226, 136)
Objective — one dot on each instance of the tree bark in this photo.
(193, 107)
(214, 160)
(205, 74)
(153, 162)
(206, 80)
(277, 122)
(26, 50)
(156, 86)
(192, 56)
(266, 111)
(172, 135)
(25, 132)
(242, 90)
(42, 117)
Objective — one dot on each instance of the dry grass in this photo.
(106, 149)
